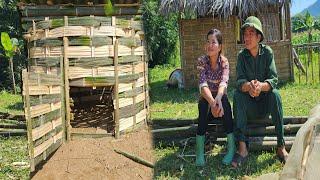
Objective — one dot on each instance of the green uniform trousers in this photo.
(245, 107)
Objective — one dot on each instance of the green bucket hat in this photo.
(253, 21)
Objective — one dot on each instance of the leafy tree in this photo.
(307, 23)
(161, 34)
(10, 47)
(10, 23)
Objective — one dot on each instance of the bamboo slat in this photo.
(85, 41)
(43, 79)
(129, 101)
(43, 109)
(47, 152)
(38, 90)
(46, 128)
(77, 41)
(60, 10)
(48, 135)
(44, 70)
(102, 81)
(47, 62)
(79, 72)
(45, 145)
(126, 123)
(128, 86)
(102, 61)
(85, 51)
(72, 31)
(45, 99)
(131, 93)
(131, 110)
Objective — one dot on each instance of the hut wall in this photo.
(193, 37)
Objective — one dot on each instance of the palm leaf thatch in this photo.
(219, 8)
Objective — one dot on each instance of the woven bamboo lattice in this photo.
(98, 52)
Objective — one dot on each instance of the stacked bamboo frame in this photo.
(97, 52)
(76, 48)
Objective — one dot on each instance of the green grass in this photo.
(10, 103)
(13, 149)
(298, 99)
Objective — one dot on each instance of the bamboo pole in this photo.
(135, 158)
(116, 91)
(12, 132)
(63, 100)
(28, 118)
(66, 81)
(60, 10)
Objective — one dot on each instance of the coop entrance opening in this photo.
(92, 111)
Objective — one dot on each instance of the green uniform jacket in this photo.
(262, 67)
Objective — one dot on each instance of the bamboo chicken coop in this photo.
(87, 73)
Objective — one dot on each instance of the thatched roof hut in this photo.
(228, 16)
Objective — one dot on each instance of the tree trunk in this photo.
(12, 74)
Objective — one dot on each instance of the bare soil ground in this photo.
(96, 159)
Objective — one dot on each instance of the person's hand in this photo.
(255, 88)
(215, 110)
(219, 105)
(252, 88)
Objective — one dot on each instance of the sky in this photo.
(299, 5)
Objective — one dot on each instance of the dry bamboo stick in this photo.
(116, 91)
(66, 79)
(12, 132)
(135, 158)
(28, 118)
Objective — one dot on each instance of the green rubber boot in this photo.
(231, 149)
(200, 150)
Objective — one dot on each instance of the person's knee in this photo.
(238, 97)
(275, 95)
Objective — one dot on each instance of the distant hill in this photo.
(313, 9)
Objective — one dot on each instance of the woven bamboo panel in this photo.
(37, 90)
(72, 31)
(42, 147)
(84, 51)
(129, 101)
(79, 72)
(46, 128)
(43, 109)
(48, 117)
(128, 122)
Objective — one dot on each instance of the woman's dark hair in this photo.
(217, 34)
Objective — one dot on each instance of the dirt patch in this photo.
(96, 159)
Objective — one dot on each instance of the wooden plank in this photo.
(131, 110)
(43, 109)
(47, 136)
(131, 92)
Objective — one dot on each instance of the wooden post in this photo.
(66, 80)
(134, 82)
(28, 118)
(116, 91)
